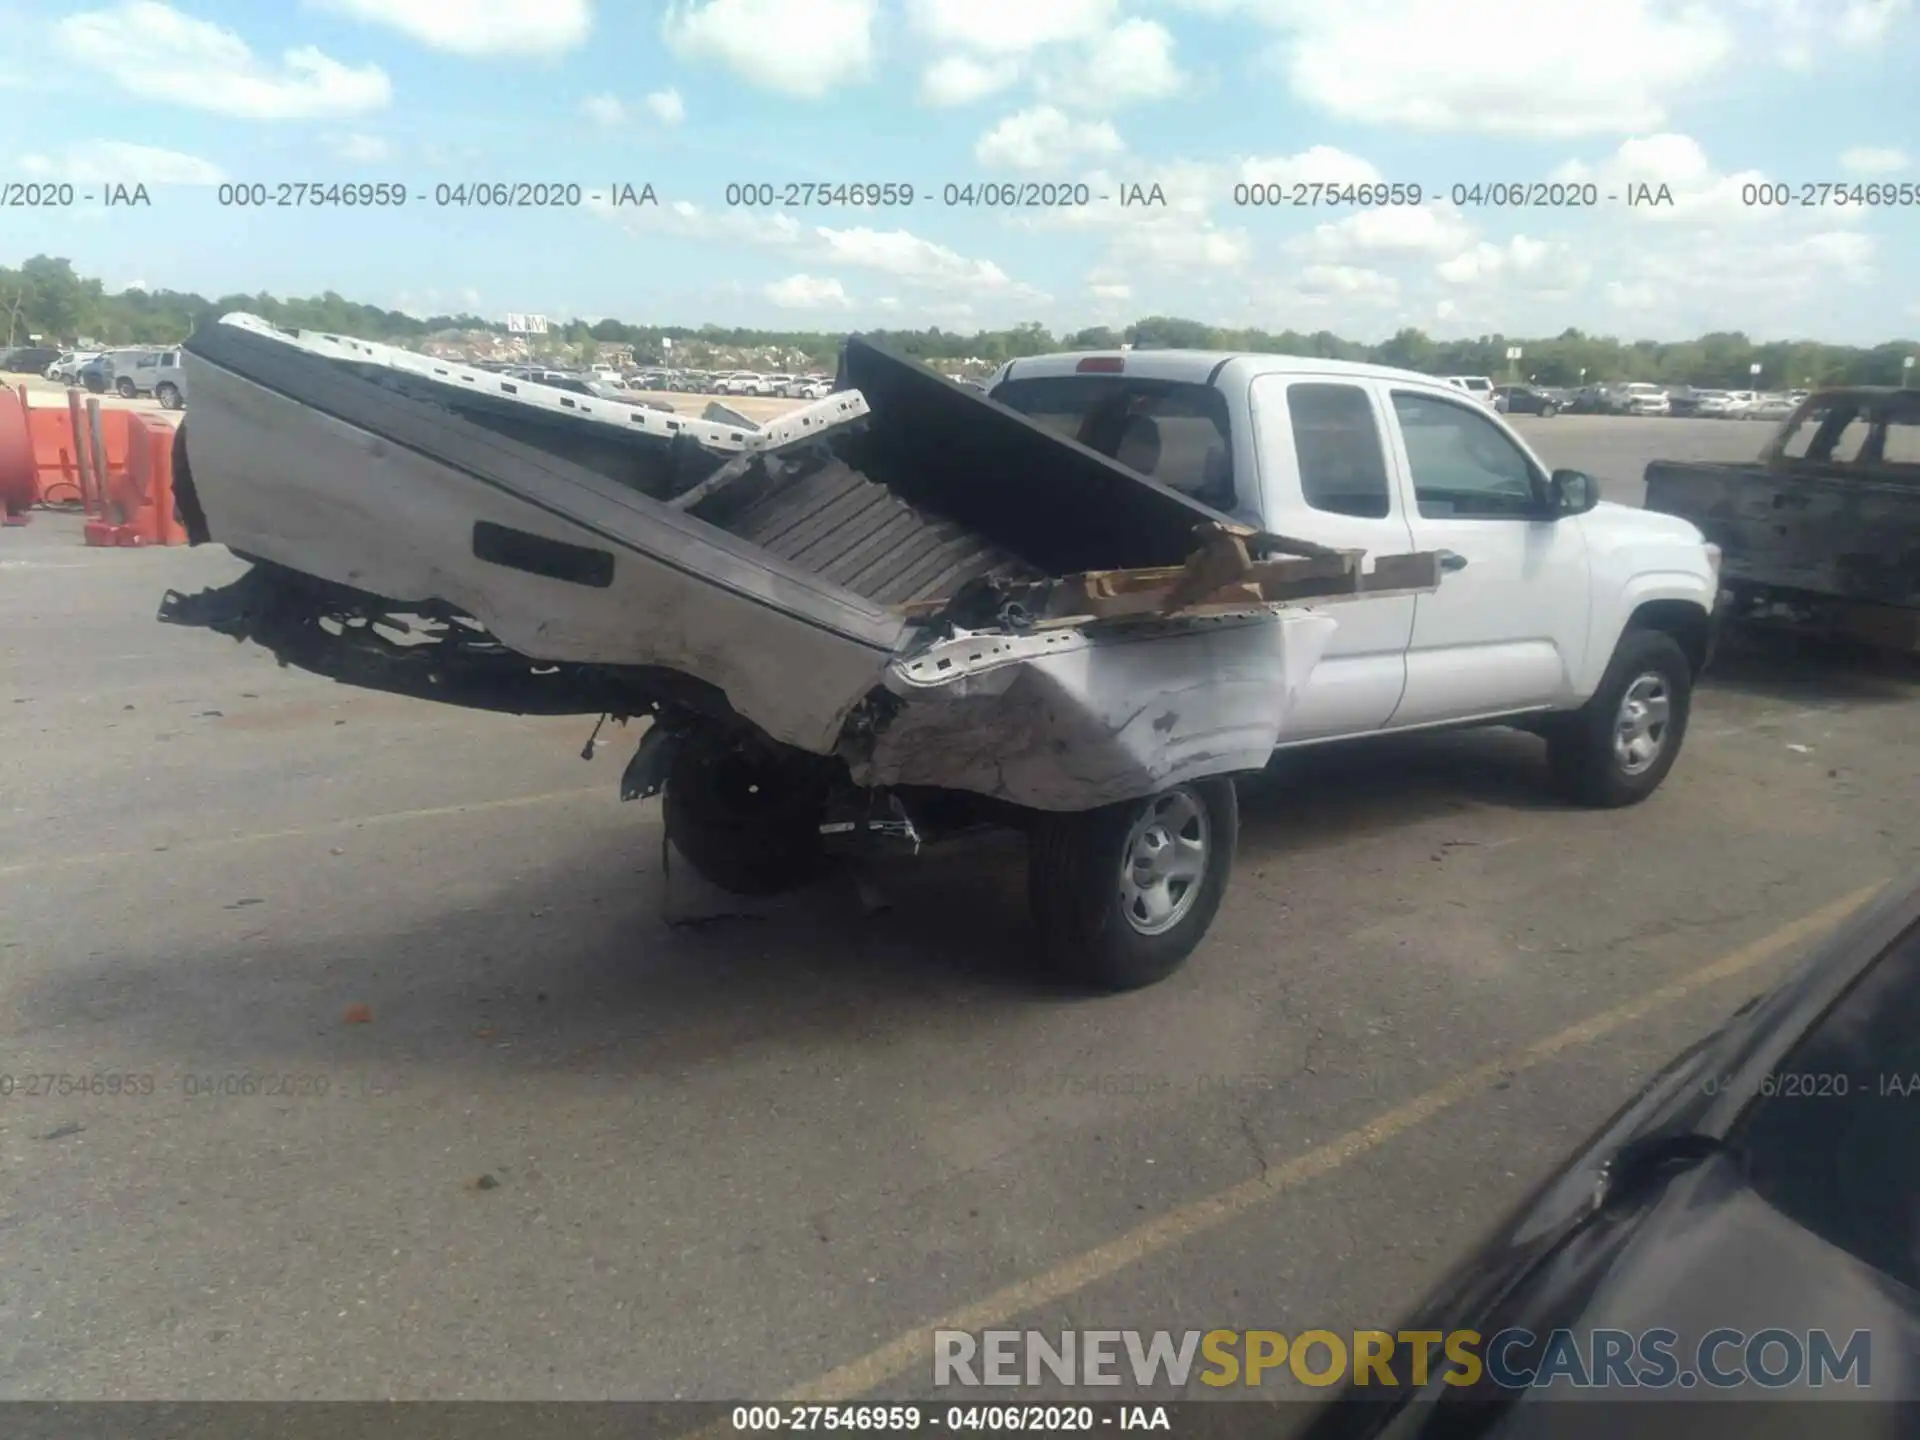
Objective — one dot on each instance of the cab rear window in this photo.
(1172, 432)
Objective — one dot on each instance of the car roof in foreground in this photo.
(1204, 367)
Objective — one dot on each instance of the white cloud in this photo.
(1873, 160)
(1111, 290)
(667, 106)
(1131, 62)
(154, 52)
(1320, 165)
(896, 253)
(907, 256)
(1192, 250)
(479, 27)
(1010, 27)
(1348, 282)
(807, 292)
(1522, 67)
(109, 162)
(1804, 32)
(1700, 194)
(803, 48)
(1521, 264)
(607, 110)
(1407, 231)
(1045, 138)
(362, 149)
(961, 79)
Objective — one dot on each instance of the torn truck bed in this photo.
(904, 574)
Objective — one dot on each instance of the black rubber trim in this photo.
(1213, 375)
(538, 555)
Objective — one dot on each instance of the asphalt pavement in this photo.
(353, 1047)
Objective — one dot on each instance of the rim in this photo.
(1164, 865)
(1640, 728)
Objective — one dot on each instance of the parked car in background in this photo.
(1588, 400)
(170, 382)
(1641, 398)
(29, 359)
(134, 372)
(1711, 404)
(67, 367)
(1478, 386)
(1524, 400)
(1769, 407)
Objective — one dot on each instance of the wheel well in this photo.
(1685, 621)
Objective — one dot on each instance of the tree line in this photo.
(45, 296)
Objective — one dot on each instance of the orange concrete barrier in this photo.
(138, 500)
(19, 476)
(57, 458)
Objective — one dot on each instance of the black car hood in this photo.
(1651, 1225)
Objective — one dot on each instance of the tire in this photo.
(1549, 410)
(747, 822)
(1095, 923)
(1591, 761)
(125, 389)
(168, 396)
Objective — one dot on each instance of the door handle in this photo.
(1452, 560)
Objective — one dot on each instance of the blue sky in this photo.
(1196, 96)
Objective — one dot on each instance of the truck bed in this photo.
(905, 575)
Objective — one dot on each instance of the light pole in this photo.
(1513, 367)
(1753, 376)
(1906, 371)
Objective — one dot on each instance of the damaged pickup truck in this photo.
(1822, 531)
(907, 609)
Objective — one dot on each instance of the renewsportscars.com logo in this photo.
(1722, 1359)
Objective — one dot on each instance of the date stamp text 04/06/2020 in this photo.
(989, 195)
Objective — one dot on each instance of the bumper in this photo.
(1716, 628)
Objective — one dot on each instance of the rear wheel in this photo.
(1122, 895)
(1549, 410)
(745, 818)
(125, 388)
(1618, 747)
(168, 395)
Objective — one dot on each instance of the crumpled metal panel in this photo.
(1066, 720)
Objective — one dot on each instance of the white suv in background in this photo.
(1641, 398)
(1480, 387)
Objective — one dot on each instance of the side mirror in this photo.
(1572, 492)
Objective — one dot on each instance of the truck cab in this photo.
(1550, 593)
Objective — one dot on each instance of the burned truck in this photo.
(892, 613)
(1822, 531)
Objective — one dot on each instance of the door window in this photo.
(1343, 466)
(1463, 464)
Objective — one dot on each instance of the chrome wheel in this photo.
(1640, 727)
(1164, 864)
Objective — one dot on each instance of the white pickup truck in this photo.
(1078, 605)
(1583, 620)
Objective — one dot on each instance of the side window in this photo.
(1462, 463)
(1343, 466)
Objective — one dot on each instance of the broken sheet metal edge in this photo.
(1069, 720)
(840, 408)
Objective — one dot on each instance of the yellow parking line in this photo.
(296, 832)
(897, 1356)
